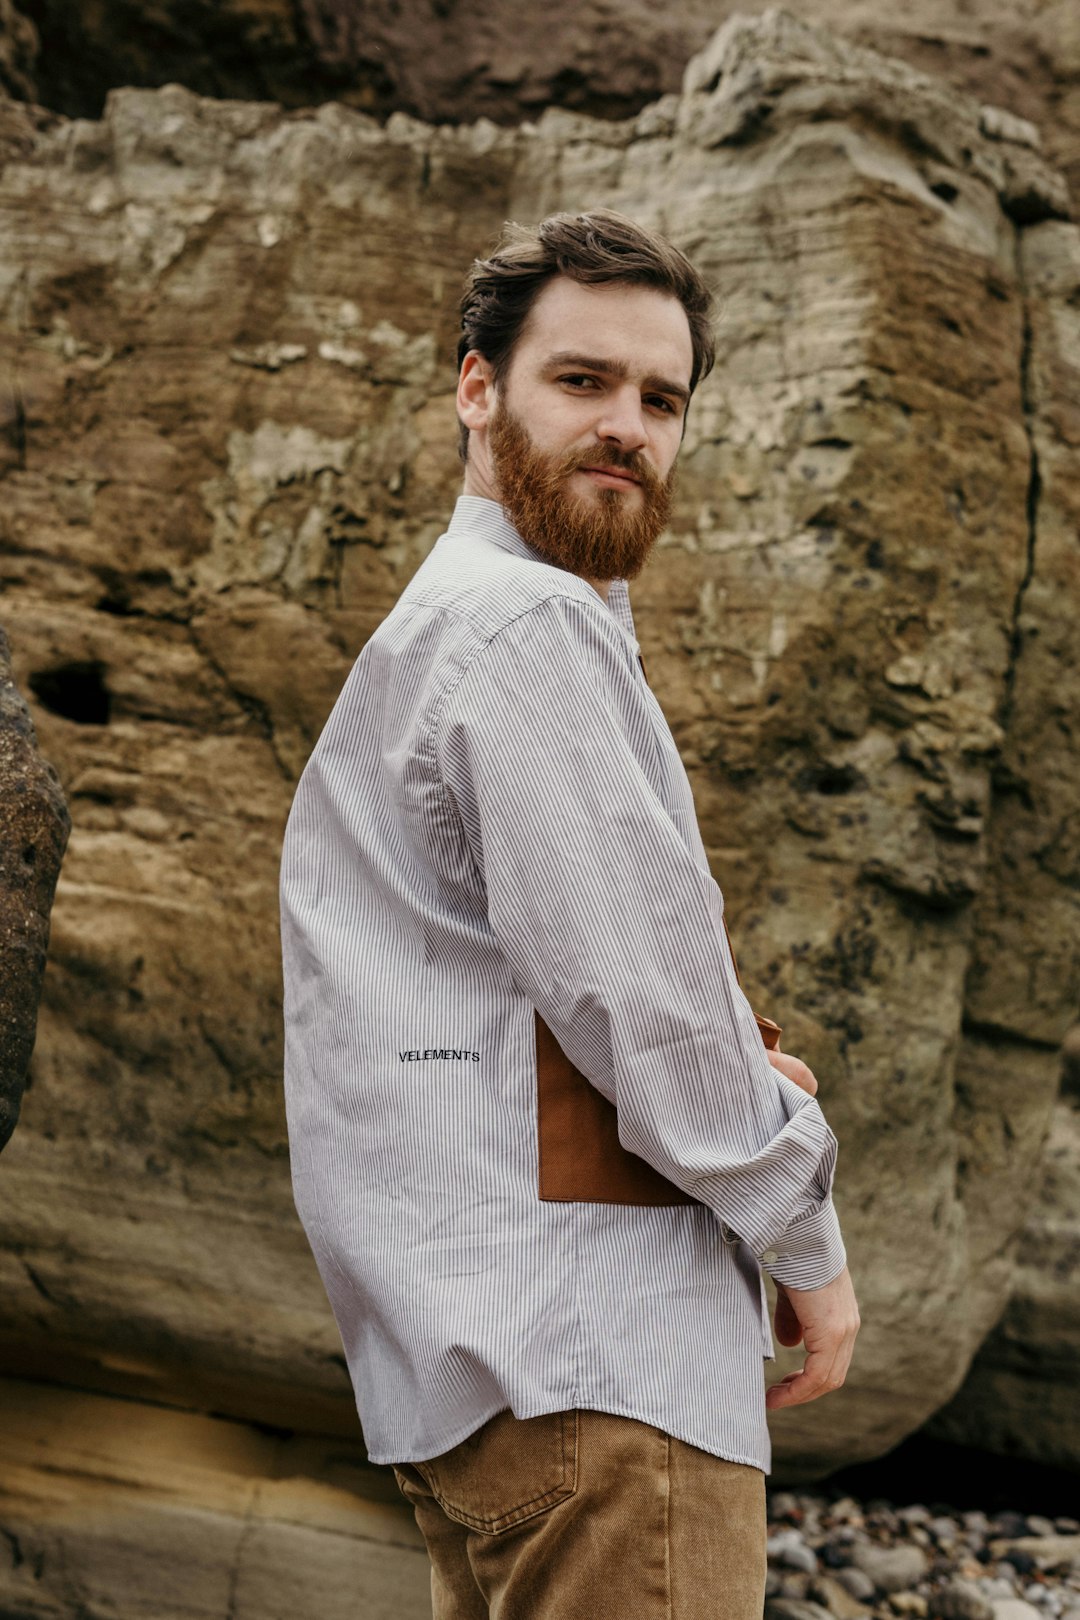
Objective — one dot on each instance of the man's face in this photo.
(586, 425)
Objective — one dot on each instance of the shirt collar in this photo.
(475, 514)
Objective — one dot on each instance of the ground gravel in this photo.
(842, 1559)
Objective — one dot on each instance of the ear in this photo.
(475, 391)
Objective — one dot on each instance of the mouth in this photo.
(612, 477)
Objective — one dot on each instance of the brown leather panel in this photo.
(582, 1160)
(770, 1032)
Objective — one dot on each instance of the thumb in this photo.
(788, 1327)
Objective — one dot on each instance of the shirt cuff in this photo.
(811, 1252)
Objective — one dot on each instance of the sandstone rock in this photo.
(18, 53)
(109, 1507)
(454, 63)
(233, 344)
(34, 827)
(1020, 1395)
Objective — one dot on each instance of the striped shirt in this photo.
(493, 883)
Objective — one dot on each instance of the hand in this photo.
(827, 1320)
(794, 1068)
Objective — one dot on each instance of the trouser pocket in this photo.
(510, 1470)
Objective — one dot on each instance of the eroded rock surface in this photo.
(18, 53)
(34, 827)
(1020, 1395)
(455, 60)
(135, 1511)
(232, 329)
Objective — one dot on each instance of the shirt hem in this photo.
(725, 1455)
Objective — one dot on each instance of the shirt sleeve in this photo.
(613, 930)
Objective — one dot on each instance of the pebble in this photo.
(909, 1603)
(840, 1603)
(1045, 1552)
(854, 1581)
(794, 1609)
(962, 1600)
(879, 1560)
(789, 1549)
(890, 1568)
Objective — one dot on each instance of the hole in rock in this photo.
(75, 691)
(830, 779)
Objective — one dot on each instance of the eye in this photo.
(661, 403)
(578, 379)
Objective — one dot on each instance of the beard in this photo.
(608, 537)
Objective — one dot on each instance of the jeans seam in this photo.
(667, 1526)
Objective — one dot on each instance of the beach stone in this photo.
(856, 1582)
(1015, 1609)
(891, 1569)
(1051, 1552)
(961, 1600)
(841, 1604)
(794, 1583)
(785, 1608)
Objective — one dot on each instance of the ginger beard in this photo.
(608, 537)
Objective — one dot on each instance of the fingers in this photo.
(820, 1374)
(828, 1321)
(793, 1068)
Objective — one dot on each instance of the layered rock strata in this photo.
(232, 329)
(146, 1514)
(456, 60)
(1020, 1396)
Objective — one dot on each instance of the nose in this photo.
(622, 420)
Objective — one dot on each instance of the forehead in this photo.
(642, 327)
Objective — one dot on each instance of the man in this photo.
(538, 1144)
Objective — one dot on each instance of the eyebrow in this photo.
(617, 368)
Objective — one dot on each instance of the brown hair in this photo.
(593, 248)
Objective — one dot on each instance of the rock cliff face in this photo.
(1020, 1395)
(455, 60)
(34, 827)
(232, 441)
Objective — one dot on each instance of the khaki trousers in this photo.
(586, 1516)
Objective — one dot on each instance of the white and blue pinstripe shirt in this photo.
(495, 824)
